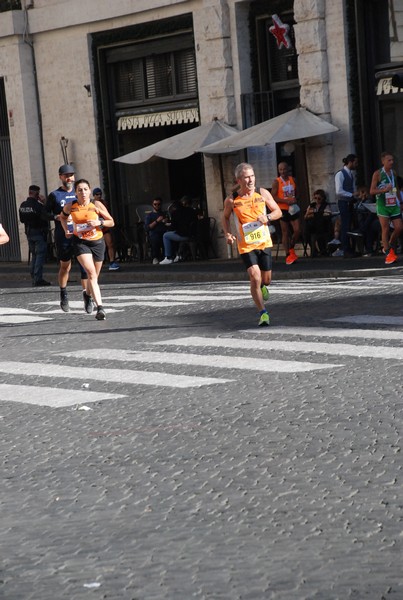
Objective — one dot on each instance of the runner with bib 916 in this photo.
(252, 212)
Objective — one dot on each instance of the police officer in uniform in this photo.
(32, 214)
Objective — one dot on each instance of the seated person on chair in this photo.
(183, 221)
(155, 226)
(318, 224)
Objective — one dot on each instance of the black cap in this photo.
(34, 188)
(66, 169)
(97, 191)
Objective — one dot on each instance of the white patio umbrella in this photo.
(181, 145)
(293, 125)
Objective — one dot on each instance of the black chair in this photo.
(201, 241)
(276, 237)
(126, 244)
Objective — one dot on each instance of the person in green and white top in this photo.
(388, 205)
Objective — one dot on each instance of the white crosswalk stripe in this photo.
(52, 397)
(333, 349)
(369, 320)
(216, 361)
(372, 334)
(154, 378)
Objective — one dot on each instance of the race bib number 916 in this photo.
(255, 232)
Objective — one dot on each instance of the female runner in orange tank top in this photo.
(89, 246)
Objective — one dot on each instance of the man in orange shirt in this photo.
(284, 190)
(252, 213)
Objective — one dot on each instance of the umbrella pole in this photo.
(221, 176)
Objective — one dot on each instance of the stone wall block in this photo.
(316, 99)
(213, 54)
(313, 68)
(305, 10)
(310, 36)
(215, 19)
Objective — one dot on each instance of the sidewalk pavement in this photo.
(16, 274)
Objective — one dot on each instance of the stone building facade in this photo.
(72, 72)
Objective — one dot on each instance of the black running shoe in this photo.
(88, 303)
(64, 303)
(100, 316)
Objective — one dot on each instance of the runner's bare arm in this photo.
(275, 210)
(104, 213)
(228, 207)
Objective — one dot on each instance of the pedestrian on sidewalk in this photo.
(88, 244)
(64, 250)
(388, 205)
(253, 211)
(284, 191)
(346, 196)
(34, 218)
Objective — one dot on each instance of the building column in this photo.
(322, 70)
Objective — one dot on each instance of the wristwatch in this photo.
(101, 222)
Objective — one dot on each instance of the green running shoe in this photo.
(265, 293)
(264, 320)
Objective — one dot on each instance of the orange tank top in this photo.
(250, 233)
(80, 215)
(286, 189)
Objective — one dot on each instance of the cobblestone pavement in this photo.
(177, 451)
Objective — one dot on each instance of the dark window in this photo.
(165, 75)
(380, 31)
(158, 72)
(6, 5)
(129, 81)
(185, 72)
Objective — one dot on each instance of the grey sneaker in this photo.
(100, 316)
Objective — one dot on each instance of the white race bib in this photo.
(390, 199)
(255, 232)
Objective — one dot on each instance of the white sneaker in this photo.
(338, 253)
(177, 259)
(334, 242)
(155, 261)
(166, 261)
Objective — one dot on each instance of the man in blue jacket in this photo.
(64, 246)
